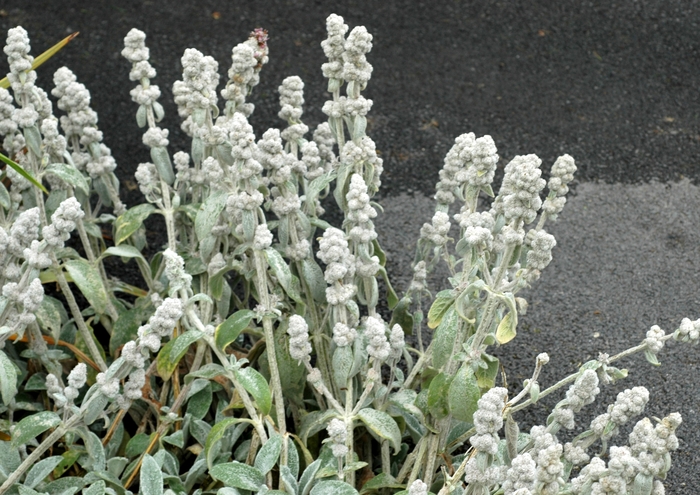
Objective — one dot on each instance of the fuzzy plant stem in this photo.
(95, 262)
(85, 333)
(48, 442)
(260, 271)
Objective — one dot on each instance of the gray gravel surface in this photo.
(627, 257)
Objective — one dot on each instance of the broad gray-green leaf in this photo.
(289, 481)
(268, 454)
(308, 477)
(70, 175)
(238, 475)
(313, 275)
(123, 251)
(382, 425)
(444, 338)
(51, 316)
(463, 394)
(437, 395)
(343, 359)
(41, 470)
(230, 329)
(161, 159)
(443, 301)
(314, 422)
(151, 477)
(208, 213)
(33, 426)
(97, 488)
(257, 386)
(8, 379)
(87, 278)
(333, 487)
(507, 328)
(171, 353)
(130, 221)
(279, 267)
(215, 435)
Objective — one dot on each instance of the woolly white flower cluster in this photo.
(488, 420)
(291, 100)
(334, 46)
(436, 231)
(337, 435)
(64, 396)
(470, 161)
(360, 213)
(521, 476)
(654, 340)
(271, 155)
(629, 403)
(197, 90)
(519, 197)
(377, 345)
(689, 331)
(418, 488)
(145, 94)
(175, 271)
(343, 335)
(540, 254)
(561, 175)
(263, 237)
(63, 222)
(580, 394)
(80, 126)
(247, 59)
(29, 297)
(161, 324)
(340, 266)
(299, 345)
(478, 228)
(364, 153)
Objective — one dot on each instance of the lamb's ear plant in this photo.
(259, 352)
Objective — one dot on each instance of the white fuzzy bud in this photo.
(654, 340)
(343, 335)
(375, 333)
(299, 345)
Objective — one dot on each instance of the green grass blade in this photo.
(17, 168)
(5, 83)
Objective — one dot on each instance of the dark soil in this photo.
(614, 85)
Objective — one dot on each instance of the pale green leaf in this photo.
(151, 477)
(442, 303)
(284, 276)
(230, 329)
(208, 213)
(97, 488)
(333, 487)
(444, 338)
(123, 251)
(238, 475)
(215, 435)
(130, 221)
(41, 470)
(87, 277)
(382, 425)
(70, 175)
(507, 328)
(33, 426)
(8, 379)
(257, 386)
(463, 394)
(171, 353)
(268, 454)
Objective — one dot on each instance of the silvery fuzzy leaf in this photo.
(70, 175)
(158, 111)
(343, 359)
(284, 276)
(41, 470)
(238, 475)
(116, 465)
(32, 426)
(288, 481)
(130, 221)
(463, 394)
(268, 454)
(382, 425)
(445, 337)
(229, 330)
(171, 353)
(161, 159)
(87, 277)
(141, 116)
(257, 386)
(151, 477)
(8, 379)
(333, 487)
(308, 477)
(208, 213)
(198, 405)
(97, 488)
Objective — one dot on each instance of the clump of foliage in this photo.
(253, 357)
